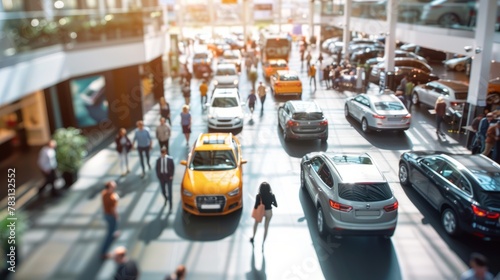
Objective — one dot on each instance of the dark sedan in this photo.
(464, 188)
(416, 75)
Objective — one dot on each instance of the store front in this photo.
(23, 124)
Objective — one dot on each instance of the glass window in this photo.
(235, 148)
(365, 192)
(385, 106)
(213, 160)
(308, 116)
(288, 77)
(13, 5)
(465, 186)
(225, 72)
(432, 163)
(316, 163)
(224, 102)
(326, 175)
(488, 181)
(451, 174)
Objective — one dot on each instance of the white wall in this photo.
(53, 67)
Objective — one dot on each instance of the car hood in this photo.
(230, 112)
(211, 182)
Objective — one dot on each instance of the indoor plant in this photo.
(70, 151)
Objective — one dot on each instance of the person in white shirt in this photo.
(48, 164)
(478, 270)
(163, 133)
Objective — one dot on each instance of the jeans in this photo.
(124, 161)
(111, 220)
(439, 120)
(142, 150)
(163, 144)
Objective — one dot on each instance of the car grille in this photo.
(210, 203)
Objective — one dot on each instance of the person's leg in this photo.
(268, 215)
(255, 225)
(438, 124)
(487, 149)
(111, 221)
(122, 156)
(52, 181)
(126, 162)
(140, 150)
(146, 150)
(163, 191)
(169, 186)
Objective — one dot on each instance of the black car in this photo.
(302, 120)
(416, 75)
(464, 188)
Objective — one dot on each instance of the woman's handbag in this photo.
(259, 212)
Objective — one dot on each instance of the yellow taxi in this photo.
(274, 65)
(213, 180)
(286, 82)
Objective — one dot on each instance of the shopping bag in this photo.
(259, 212)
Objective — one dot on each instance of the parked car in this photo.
(447, 13)
(428, 54)
(351, 195)
(397, 53)
(233, 57)
(226, 75)
(378, 112)
(458, 64)
(416, 75)
(363, 53)
(325, 46)
(273, 65)
(225, 110)
(399, 62)
(408, 10)
(202, 63)
(463, 188)
(454, 93)
(286, 82)
(337, 47)
(213, 179)
(302, 120)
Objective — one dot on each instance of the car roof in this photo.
(304, 106)
(475, 162)
(381, 97)
(213, 141)
(455, 85)
(355, 168)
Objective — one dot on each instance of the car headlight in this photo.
(186, 192)
(235, 82)
(234, 192)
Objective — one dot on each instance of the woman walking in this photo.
(266, 197)
(165, 109)
(186, 122)
(123, 146)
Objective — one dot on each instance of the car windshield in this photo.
(225, 72)
(365, 192)
(487, 180)
(288, 77)
(213, 160)
(224, 102)
(303, 116)
(388, 106)
(200, 56)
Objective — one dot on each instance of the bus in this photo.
(275, 46)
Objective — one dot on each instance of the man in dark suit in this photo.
(165, 173)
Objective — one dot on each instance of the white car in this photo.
(458, 64)
(233, 57)
(226, 75)
(225, 110)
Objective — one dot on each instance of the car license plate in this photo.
(367, 213)
(394, 119)
(210, 206)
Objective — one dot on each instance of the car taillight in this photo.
(291, 123)
(325, 122)
(341, 207)
(378, 116)
(391, 207)
(407, 116)
(276, 84)
(484, 213)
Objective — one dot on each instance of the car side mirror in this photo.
(183, 162)
(243, 161)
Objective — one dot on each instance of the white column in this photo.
(48, 9)
(245, 17)
(279, 15)
(211, 12)
(102, 8)
(347, 28)
(311, 17)
(179, 10)
(480, 69)
(390, 36)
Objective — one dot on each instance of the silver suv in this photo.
(351, 195)
(302, 120)
(454, 93)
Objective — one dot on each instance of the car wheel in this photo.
(346, 111)
(414, 99)
(459, 67)
(450, 222)
(320, 222)
(364, 126)
(448, 20)
(404, 175)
